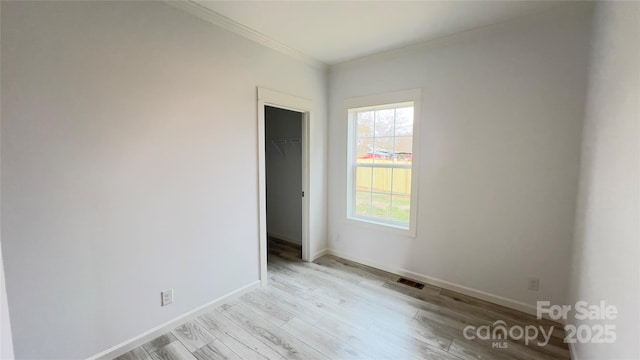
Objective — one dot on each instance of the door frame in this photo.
(267, 97)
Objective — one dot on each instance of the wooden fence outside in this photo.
(387, 180)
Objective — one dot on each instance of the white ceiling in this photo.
(336, 31)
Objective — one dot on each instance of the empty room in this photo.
(319, 180)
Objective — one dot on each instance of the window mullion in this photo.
(395, 115)
(373, 161)
(390, 166)
(371, 192)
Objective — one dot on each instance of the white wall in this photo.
(500, 142)
(129, 166)
(284, 174)
(605, 262)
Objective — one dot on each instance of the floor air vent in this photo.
(411, 283)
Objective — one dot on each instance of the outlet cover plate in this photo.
(166, 297)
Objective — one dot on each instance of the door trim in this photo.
(267, 97)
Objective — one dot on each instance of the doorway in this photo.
(283, 175)
(302, 107)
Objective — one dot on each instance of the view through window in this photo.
(382, 163)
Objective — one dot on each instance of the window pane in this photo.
(403, 147)
(404, 121)
(383, 150)
(381, 205)
(364, 151)
(363, 178)
(364, 124)
(401, 208)
(402, 181)
(363, 203)
(382, 179)
(384, 122)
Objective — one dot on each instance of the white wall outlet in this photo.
(534, 284)
(166, 297)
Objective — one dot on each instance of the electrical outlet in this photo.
(166, 297)
(534, 284)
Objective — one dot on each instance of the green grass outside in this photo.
(384, 206)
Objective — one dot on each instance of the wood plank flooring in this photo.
(337, 309)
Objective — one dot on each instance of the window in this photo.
(381, 174)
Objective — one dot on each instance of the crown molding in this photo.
(203, 12)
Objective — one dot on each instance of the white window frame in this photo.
(382, 100)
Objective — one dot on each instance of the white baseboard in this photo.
(285, 238)
(499, 300)
(318, 254)
(149, 335)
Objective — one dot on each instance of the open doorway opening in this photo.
(283, 175)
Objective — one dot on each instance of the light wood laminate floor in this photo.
(337, 309)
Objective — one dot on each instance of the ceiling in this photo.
(336, 31)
